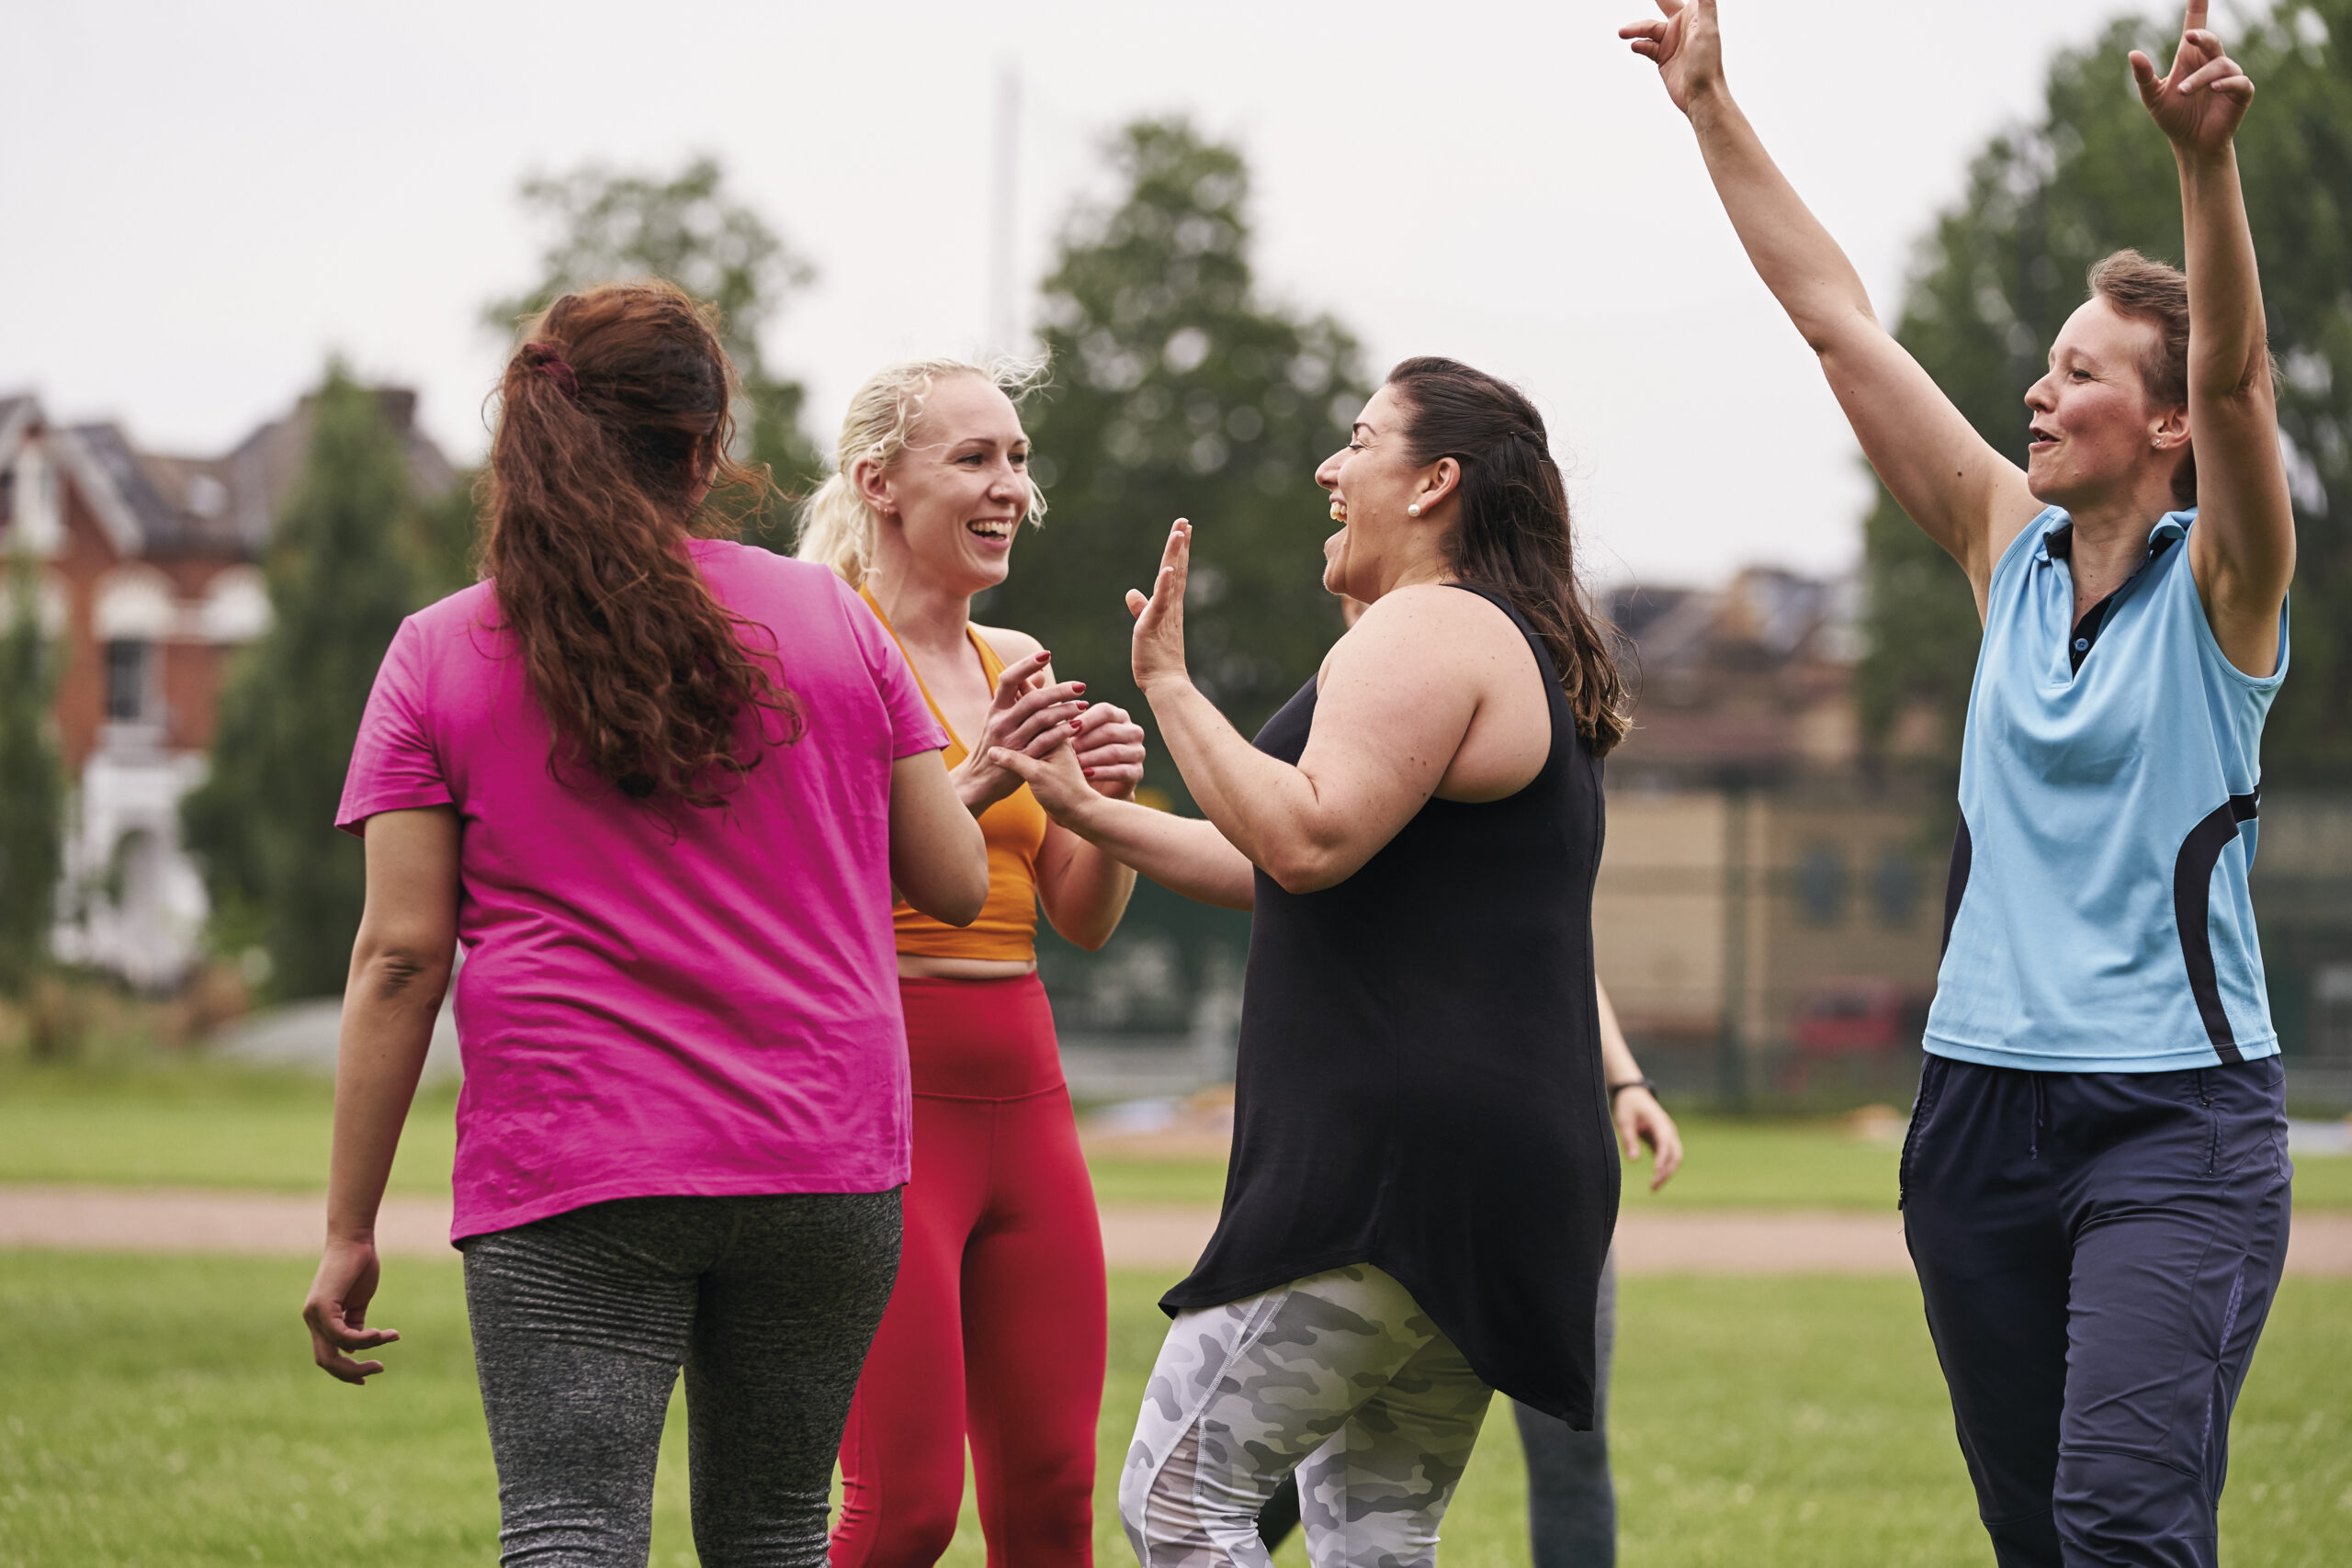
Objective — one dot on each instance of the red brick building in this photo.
(151, 581)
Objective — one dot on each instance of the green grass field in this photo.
(196, 1124)
(164, 1412)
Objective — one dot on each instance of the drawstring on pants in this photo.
(2041, 1108)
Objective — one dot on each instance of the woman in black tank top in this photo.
(1424, 1178)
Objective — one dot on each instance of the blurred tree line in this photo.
(32, 779)
(1177, 392)
(1999, 274)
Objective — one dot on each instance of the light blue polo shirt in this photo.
(2097, 919)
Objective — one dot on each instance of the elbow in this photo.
(1308, 868)
(1090, 940)
(403, 971)
(1832, 329)
(960, 905)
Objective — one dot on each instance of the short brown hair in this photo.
(2151, 292)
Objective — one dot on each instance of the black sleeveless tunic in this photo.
(1419, 1080)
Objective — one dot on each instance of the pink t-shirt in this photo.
(704, 1003)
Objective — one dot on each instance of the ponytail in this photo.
(613, 426)
(837, 527)
(1515, 536)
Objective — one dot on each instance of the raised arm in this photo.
(2243, 549)
(1182, 854)
(1397, 694)
(1965, 495)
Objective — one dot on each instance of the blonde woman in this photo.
(996, 1331)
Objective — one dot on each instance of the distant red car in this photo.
(1850, 1017)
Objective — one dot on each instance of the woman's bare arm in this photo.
(400, 972)
(1962, 492)
(2243, 549)
(1638, 1117)
(1397, 695)
(939, 862)
(1182, 854)
(1082, 887)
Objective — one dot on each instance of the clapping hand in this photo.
(1109, 747)
(1060, 786)
(2200, 100)
(1027, 715)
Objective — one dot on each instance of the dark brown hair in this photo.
(614, 424)
(1515, 536)
(2151, 292)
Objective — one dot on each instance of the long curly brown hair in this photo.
(612, 436)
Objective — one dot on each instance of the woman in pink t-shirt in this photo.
(661, 787)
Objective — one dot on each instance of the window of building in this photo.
(1821, 885)
(131, 672)
(1894, 887)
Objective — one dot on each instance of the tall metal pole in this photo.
(1004, 288)
(1731, 1038)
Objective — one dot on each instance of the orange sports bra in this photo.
(1015, 830)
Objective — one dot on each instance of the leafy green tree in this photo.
(2000, 273)
(32, 780)
(343, 571)
(1178, 393)
(689, 229)
(446, 539)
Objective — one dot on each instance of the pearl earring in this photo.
(1414, 510)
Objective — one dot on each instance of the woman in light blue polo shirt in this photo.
(2096, 1181)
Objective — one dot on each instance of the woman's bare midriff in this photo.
(921, 967)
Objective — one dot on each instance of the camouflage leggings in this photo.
(1339, 1376)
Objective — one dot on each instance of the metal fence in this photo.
(1773, 948)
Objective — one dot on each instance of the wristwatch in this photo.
(1617, 1088)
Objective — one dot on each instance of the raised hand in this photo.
(1109, 747)
(2201, 99)
(1159, 619)
(1026, 715)
(1685, 47)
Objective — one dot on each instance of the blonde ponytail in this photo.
(837, 527)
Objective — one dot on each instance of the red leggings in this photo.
(996, 1330)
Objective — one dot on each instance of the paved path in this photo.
(115, 1219)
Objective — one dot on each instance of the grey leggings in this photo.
(1571, 1503)
(581, 1321)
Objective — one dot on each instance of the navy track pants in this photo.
(2098, 1252)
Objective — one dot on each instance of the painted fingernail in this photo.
(1074, 723)
(1088, 771)
(1078, 685)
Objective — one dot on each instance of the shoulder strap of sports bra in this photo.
(991, 664)
(1543, 651)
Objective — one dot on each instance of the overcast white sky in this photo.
(200, 202)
